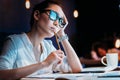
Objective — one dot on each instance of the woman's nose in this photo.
(56, 23)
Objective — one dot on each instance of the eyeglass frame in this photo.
(57, 17)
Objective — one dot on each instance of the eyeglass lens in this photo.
(54, 16)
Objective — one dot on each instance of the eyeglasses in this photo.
(55, 16)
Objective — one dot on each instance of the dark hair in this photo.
(99, 44)
(41, 6)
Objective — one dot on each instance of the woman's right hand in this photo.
(55, 57)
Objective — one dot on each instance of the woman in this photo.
(29, 53)
(99, 49)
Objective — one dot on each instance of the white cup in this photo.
(111, 60)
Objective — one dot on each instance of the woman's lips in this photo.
(53, 29)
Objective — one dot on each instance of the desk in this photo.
(110, 75)
(82, 78)
(79, 76)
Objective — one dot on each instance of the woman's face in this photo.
(45, 25)
(102, 52)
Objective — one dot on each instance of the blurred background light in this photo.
(117, 43)
(75, 14)
(27, 4)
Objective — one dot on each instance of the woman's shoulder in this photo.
(16, 35)
(16, 38)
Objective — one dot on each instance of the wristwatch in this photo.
(60, 39)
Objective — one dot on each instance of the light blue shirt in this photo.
(18, 52)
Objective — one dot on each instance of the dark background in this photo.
(98, 19)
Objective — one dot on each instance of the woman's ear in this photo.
(36, 15)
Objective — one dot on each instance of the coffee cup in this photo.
(111, 60)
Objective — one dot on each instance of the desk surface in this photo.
(81, 78)
(109, 75)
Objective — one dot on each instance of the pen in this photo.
(57, 40)
(92, 72)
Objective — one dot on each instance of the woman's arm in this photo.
(13, 74)
(72, 57)
(94, 55)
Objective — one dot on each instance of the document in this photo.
(109, 74)
(70, 76)
(97, 69)
(84, 75)
(78, 76)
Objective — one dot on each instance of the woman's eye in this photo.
(61, 21)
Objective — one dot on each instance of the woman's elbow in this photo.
(77, 70)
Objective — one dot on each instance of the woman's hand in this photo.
(61, 32)
(55, 57)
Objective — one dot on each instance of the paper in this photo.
(79, 76)
(95, 69)
(70, 76)
(109, 74)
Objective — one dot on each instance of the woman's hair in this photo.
(99, 44)
(41, 6)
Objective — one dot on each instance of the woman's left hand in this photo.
(61, 32)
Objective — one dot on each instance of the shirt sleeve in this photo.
(8, 55)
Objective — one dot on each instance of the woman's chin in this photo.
(50, 35)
